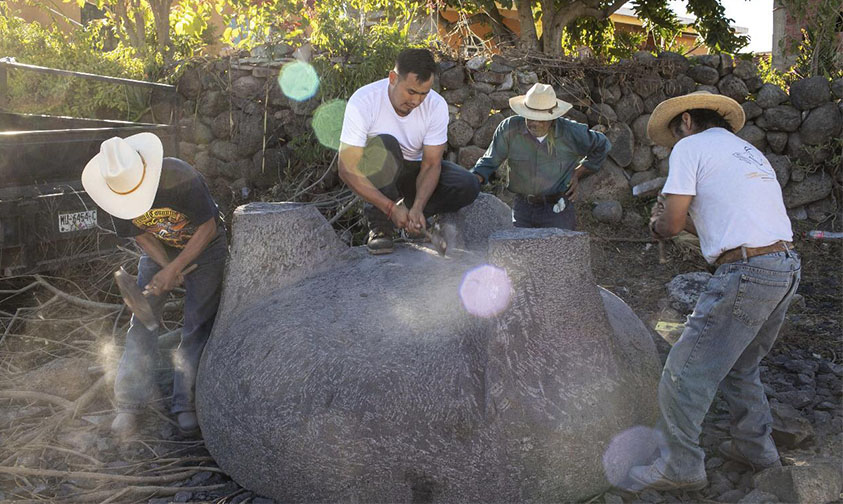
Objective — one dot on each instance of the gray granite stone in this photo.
(345, 376)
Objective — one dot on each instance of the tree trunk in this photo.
(528, 40)
(131, 37)
(161, 14)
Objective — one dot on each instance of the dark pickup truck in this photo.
(46, 218)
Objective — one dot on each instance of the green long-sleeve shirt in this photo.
(542, 167)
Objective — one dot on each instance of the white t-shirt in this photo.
(370, 113)
(737, 199)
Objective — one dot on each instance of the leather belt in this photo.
(739, 253)
(543, 199)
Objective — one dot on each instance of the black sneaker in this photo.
(379, 242)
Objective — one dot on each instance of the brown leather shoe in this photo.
(728, 450)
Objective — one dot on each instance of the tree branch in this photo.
(498, 26)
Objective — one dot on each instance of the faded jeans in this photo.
(734, 325)
(135, 380)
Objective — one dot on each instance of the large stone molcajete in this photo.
(497, 374)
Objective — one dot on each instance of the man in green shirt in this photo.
(546, 154)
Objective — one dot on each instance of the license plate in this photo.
(77, 221)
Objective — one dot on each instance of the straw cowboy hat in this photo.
(658, 126)
(539, 104)
(123, 178)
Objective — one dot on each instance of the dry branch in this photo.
(140, 490)
(27, 395)
(96, 476)
(84, 303)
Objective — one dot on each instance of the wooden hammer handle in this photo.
(189, 269)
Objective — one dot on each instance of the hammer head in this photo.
(435, 237)
(135, 300)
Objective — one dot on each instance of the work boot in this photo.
(124, 424)
(188, 423)
(728, 450)
(379, 242)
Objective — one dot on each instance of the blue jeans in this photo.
(135, 380)
(734, 325)
(527, 215)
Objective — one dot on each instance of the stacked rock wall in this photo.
(237, 125)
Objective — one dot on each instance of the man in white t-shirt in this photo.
(394, 133)
(735, 204)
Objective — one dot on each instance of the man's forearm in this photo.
(362, 187)
(580, 171)
(426, 183)
(153, 248)
(197, 243)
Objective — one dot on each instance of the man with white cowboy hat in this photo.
(736, 209)
(165, 205)
(547, 154)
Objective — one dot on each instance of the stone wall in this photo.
(228, 101)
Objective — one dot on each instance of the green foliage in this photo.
(189, 28)
(252, 23)
(769, 73)
(816, 45)
(714, 27)
(80, 51)
(625, 44)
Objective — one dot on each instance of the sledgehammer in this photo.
(135, 299)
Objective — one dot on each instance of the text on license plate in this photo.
(77, 221)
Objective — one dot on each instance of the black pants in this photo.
(527, 215)
(385, 167)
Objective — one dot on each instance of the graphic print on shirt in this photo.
(168, 225)
(760, 167)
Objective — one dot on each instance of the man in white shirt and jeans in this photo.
(394, 134)
(735, 204)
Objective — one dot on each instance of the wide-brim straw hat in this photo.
(123, 178)
(539, 104)
(658, 126)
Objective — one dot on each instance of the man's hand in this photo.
(655, 213)
(572, 187)
(670, 215)
(417, 222)
(575, 182)
(400, 216)
(164, 281)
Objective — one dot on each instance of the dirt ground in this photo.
(56, 351)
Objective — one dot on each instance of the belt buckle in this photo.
(534, 199)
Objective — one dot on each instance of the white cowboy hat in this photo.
(658, 127)
(539, 104)
(123, 178)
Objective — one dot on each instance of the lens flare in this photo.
(635, 446)
(298, 81)
(378, 164)
(485, 291)
(327, 123)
